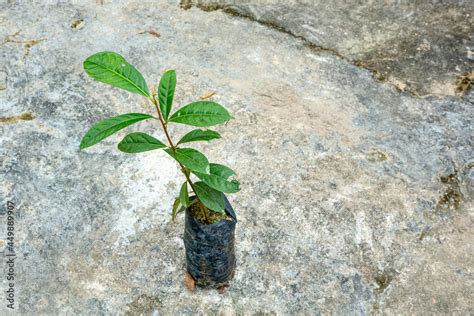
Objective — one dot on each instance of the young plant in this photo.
(113, 69)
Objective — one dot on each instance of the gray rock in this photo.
(356, 198)
(422, 47)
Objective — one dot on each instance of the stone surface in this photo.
(356, 198)
(418, 46)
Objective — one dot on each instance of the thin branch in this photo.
(173, 148)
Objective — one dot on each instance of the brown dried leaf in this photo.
(151, 32)
(186, 4)
(464, 83)
(222, 289)
(207, 95)
(77, 24)
(189, 282)
(154, 33)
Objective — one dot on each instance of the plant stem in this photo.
(173, 148)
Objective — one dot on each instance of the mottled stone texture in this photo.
(356, 198)
(419, 46)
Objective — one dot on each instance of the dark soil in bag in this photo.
(210, 254)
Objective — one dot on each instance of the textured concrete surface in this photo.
(356, 198)
(423, 47)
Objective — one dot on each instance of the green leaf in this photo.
(219, 183)
(201, 113)
(139, 142)
(166, 92)
(113, 69)
(177, 208)
(212, 199)
(107, 127)
(197, 135)
(190, 158)
(221, 170)
(217, 178)
(184, 195)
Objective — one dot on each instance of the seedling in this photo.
(213, 178)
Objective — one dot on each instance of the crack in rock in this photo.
(412, 57)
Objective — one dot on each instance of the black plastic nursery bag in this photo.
(210, 254)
